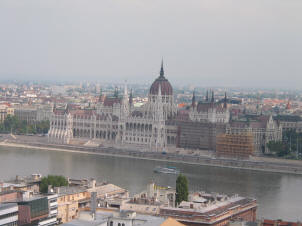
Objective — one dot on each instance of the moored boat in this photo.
(168, 170)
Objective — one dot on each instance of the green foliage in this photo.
(290, 147)
(54, 181)
(278, 148)
(182, 190)
(12, 124)
(42, 127)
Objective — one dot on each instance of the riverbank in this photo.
(258, 164)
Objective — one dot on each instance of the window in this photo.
(111, 223)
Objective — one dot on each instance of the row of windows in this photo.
(119, 224)
(15, 223)
(137, 139)
(8, 215)
(54, 208)
(53, 200)
(134, 134)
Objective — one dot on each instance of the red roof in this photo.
(278, 223)
(201, 107)
(110, 101)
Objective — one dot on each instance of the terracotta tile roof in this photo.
(171, 222)
(278, 223)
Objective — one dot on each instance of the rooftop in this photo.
(4, 206)
(204, 205)
(85, 219)
(66, 190)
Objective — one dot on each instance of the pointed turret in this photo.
(116, 92)
(67, 108)
(125, 96)
(193, 100)
(100, 96)
(54, 107)
(225, 101)
(131, 98)
(125, 90)
(125, 104)
(207, 96)
(212, 100)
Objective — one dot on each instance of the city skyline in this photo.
(150, 112)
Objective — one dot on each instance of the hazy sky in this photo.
(203, 42)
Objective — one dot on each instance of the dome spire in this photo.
(162, 73)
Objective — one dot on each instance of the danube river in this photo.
(278, 195)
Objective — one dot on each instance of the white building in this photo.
(116, 120)
(9, 214)
(209, 111)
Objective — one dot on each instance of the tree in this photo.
(54, 181)
(278, 147)
(182, 191)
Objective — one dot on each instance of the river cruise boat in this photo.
(168, 170)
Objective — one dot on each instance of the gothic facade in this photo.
(157, 124)
(116, 120)
(263, 128)
(209, 110)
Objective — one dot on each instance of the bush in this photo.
(54, 181)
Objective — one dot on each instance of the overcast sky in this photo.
(204, 42)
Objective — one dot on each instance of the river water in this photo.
(279, 195)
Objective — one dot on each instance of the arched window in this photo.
(119, 224)
(111, 223)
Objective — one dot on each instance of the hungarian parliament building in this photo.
(158, 124)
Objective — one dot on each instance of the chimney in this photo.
(57, 190)
(49, 189)
(92, 183)
(26, 195)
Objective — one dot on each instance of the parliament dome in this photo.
(166, 88)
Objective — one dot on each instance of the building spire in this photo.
(162, 73)
(225, 101)
(193, 99)
(125, 90)
(100, 96)
(207, 96)
(131, 98)
(212, 100)
(115, 91)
